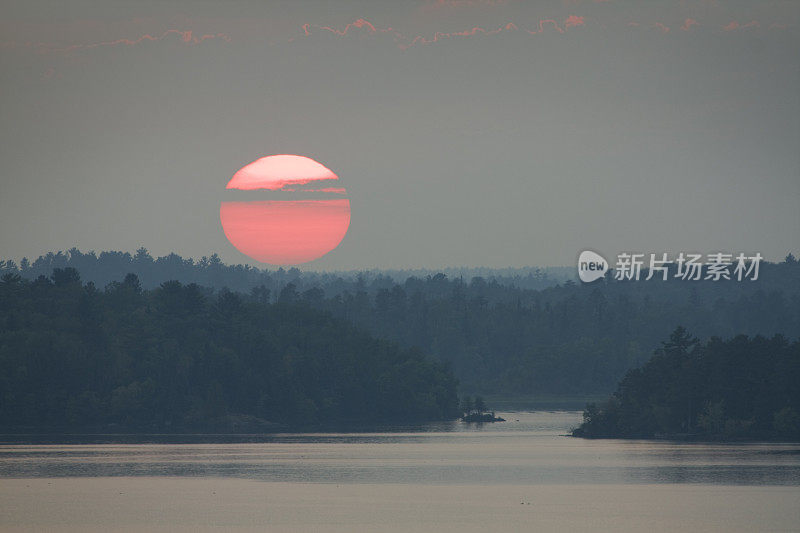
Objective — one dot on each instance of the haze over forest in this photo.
(474, 141)
(419, 265)
(528, 334)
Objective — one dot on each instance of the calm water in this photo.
(520, 475)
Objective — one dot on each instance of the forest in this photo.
(742, 388)
(510, 332)
(184, 358)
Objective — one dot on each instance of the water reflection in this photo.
(528, 449)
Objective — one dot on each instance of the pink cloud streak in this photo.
(405, 42)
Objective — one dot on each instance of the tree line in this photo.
(183, 357)
(209, 271)
(567, 339)
(740, 388)
(498, 335)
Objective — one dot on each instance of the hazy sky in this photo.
(467, 132)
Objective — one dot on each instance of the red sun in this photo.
(286, 232)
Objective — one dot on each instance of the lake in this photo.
(519, 475)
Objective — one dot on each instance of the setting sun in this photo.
(286, 232)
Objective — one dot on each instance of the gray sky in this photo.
(616, 126)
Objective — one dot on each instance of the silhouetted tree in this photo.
(480, 406)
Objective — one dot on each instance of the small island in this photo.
(476, 411)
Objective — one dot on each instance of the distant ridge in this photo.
(105, 267)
